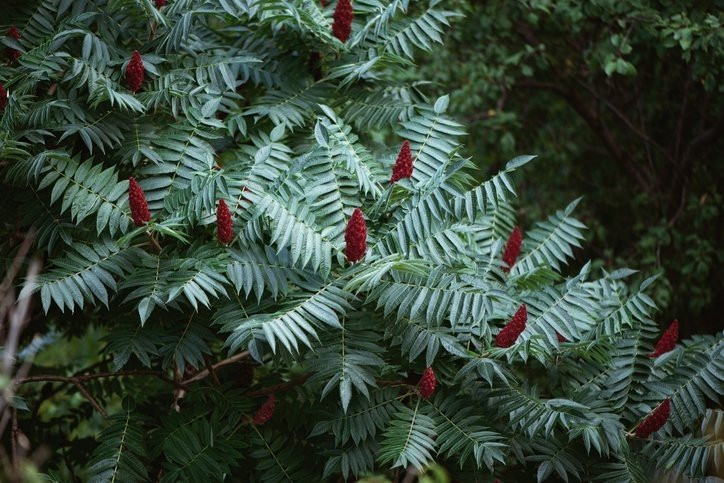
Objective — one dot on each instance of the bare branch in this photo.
(204, 373)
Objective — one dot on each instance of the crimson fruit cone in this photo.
(343, 16)
(3, 97)
(356, 236)
(245, 376)
(512, 248)
(14, 33)
(403, 164)
(224, 223)
(508, 334)
(266, 411)
(655, 420)
(134, 72)
(668, 340)
(137, 200)
(427, 383)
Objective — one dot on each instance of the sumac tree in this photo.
(288, 272)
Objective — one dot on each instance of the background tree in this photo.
(622, 102)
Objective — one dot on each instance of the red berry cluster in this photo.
(561, 339)
(655, 420)
(343, 16)
(315, 65)
(403, 165)
(245, 376)
(137, 200)
(356, 236)
(512, 248)
(3, 97)
(224, 224)
(668, 340)
(266, 411)
(508, 334)
(427, 383)
(160, 3)
(134, 72)
(14, 33)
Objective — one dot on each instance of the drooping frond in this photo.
(89, 273)
(408, 439)
(363, 419)
(433, 139)
(347, 360)
(551, 242)
(294, 325)
(197, 446)
(259, 269)
(462, 434)
(687, 455)
(86, 189)
(698, 376)
(276, 460)
(122, 452)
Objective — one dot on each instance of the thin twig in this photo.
(611, 107)
(210, 368)
(99, 375)
(14, 440)
(298, 381)
(90, 398)
(384, 383)
(154, 242)
(204, 373)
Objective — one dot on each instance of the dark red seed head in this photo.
(509, 334)
(655, 420)
(160, 3)
(266, 411)
(403, 164)
(137, 201)
(512, 248)
(135, 72)
(13, 32)
(668, 340)
(315, 65)
(356, 236)
(245, 376)
(343, 16)
(224, 223)
(427, 383)
(3, 97)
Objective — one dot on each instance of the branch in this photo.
(154, 242)
(384, 383)
(210, 368)
(626, 120)
(298, 381)
(204, 373)
(712, 133)
(594, 122)
(99, 375)
(90, 398)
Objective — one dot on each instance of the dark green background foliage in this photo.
(622, 100)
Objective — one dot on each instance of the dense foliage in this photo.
(265, 259)
(622, 101)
